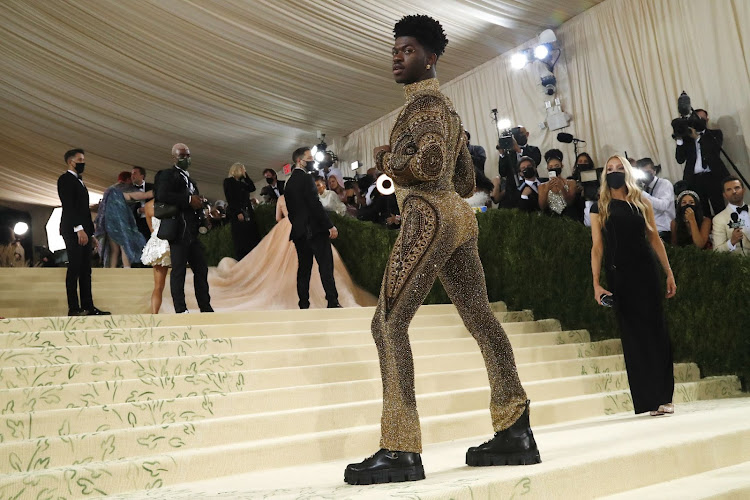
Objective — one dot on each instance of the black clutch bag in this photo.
(170, 229)
(165, 211)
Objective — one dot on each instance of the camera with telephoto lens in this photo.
(203, 223)
(505, 141)
(688, 119)
(589, 178)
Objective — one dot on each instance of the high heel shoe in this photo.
(667, 408)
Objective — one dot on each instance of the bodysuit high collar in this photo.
(412, 89)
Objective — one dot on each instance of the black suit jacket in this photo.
(305, 210)
(508, 165)
(237, 193)
(75, 205)
(710, 141)
(172, 189)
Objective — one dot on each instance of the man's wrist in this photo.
(731, 246)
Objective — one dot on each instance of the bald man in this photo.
(175, 187)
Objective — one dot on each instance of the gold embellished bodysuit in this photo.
(430, 165)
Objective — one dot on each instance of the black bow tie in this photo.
(741, 209)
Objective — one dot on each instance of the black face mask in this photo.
(183, 163)
(529, 173)
(310, 165)
(616, 180)
(684, 208)
(269, 180)
(79, 167)
(522, 140)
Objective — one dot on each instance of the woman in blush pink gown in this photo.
(266, 278)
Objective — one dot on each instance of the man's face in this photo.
(649, 172)
(269, 175)
(306, 157)
(410, 60)
(526, 165)
(136, 176)
(181, 153)
(702, 115)
(77, 158)
(734, 192)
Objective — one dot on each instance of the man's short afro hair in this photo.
(425, 29)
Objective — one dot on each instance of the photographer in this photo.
(237, 189)
(477, 153)
(699, 148)
(587, 179)
(660, 193)
(731, 226)
(512, 149)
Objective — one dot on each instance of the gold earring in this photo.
(428, 66)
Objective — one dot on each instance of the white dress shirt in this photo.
(698, 169)
(660, 193)
(745, 218)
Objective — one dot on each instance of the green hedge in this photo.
(543, 263)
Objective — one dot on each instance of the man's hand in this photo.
(83, 238)
(195, 202)
(736, 235)
(386, 148)
(693, 133)
(333, 233)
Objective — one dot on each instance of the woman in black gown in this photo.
(237, 189)
(624, 231)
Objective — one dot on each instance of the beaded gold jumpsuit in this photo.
(432, 170)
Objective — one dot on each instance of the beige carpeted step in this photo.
(105, 405)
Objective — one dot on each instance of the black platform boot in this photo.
(513, 446)
(386, 466)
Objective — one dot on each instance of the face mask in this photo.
(684, 208)
(557, 171)
(269, 180)
(183, 163)
(310, 165)
(529, 173)
(80, 167)
(522, 141)
(616, 180)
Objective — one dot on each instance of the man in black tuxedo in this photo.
(77, 230)
(510, 161)
(175, 187)
(277, 186)
(312, 230)
(704, 169)
(138, 175)
(526, 196)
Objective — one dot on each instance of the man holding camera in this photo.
(660, 193)
(175, 187)
(731, 226)
(511, 153)
(700, 151)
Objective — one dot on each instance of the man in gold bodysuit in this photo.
(432, 169)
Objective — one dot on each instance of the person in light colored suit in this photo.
(731, 226)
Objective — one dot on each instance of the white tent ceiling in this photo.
(237, 80)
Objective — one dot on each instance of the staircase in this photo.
(253, 404)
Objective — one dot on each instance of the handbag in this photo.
(165, 211)
(170, 229)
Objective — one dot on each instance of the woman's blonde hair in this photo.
(236, 170)
(632, 196)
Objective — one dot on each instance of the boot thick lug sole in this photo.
(400, 475)
(483, 459)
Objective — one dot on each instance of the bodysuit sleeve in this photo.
(464, 178)
(418, 153)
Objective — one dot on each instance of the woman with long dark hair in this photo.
(690, 227)
(623, 230)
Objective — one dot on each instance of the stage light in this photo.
(519, 60)
(314, 151)
(503, 124)
(385, 185)
(320, 155)
(20, 228)
(541, 51)
(316, 165)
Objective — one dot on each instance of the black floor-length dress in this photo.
(633, 277)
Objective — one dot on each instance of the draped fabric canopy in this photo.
(237, 80)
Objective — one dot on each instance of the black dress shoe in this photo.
(77, 312)
(513, 446)
(334, 305)
(386, 466)
(96, 312)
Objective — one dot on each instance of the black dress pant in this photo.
(244, 236)
(183, 251)
(708, 186)
(79, 273)
(319, 246)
